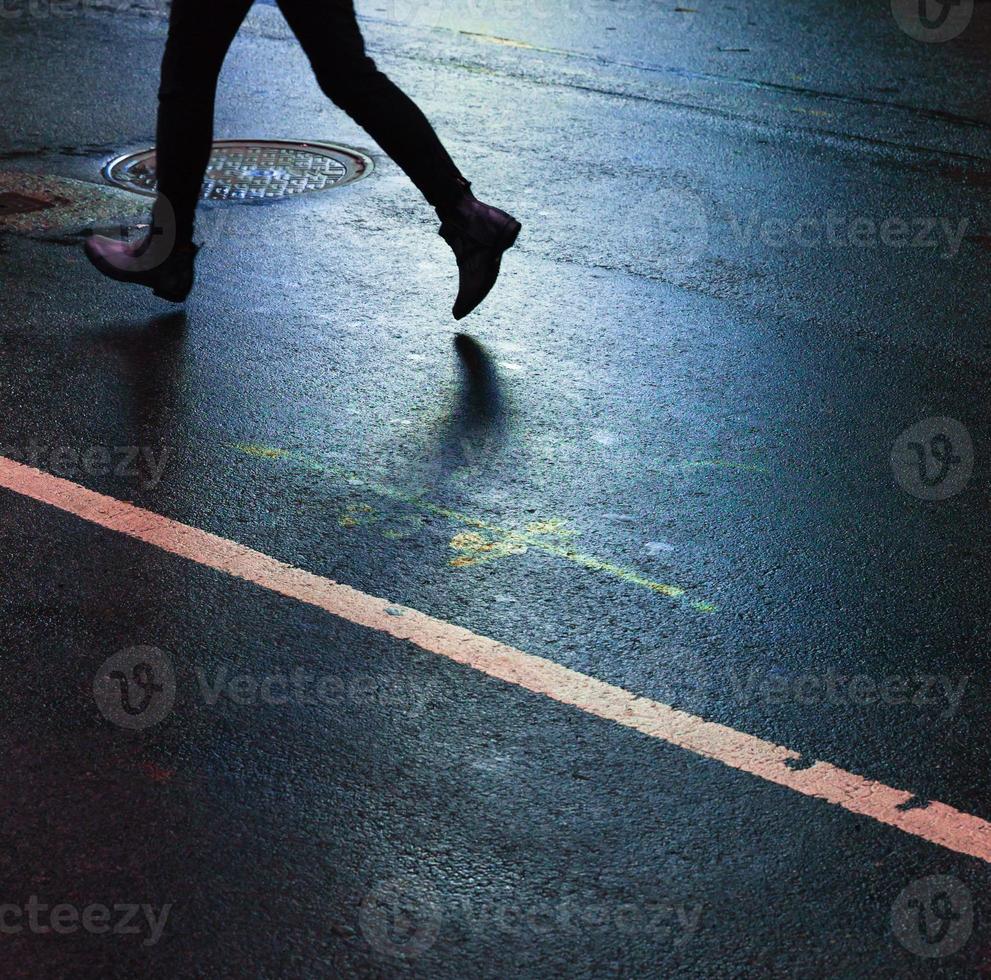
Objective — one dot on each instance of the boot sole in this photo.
(106, 269)
(507, 239)
(510, 235)
(120, 275)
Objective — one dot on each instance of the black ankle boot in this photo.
(478, 235)
(168, 274)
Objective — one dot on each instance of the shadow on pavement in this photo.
(481, 396)
(475, 432)
(149, 355)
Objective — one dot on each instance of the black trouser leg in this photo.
(331, 38)
(200, 34)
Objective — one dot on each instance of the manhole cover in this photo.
(254, 170)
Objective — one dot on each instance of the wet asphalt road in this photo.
(755, 253)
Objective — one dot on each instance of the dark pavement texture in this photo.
(664, 381)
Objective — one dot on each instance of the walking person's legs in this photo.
(477, 233)
(200, 35)
(329, 34)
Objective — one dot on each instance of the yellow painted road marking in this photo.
(476, 549)
(524, 539)
(504, 41)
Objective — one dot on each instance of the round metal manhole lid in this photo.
(251, 171)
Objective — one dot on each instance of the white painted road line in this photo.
(935, 822)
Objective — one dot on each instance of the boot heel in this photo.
(510, 235)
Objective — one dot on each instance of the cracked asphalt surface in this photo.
(679, 452)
